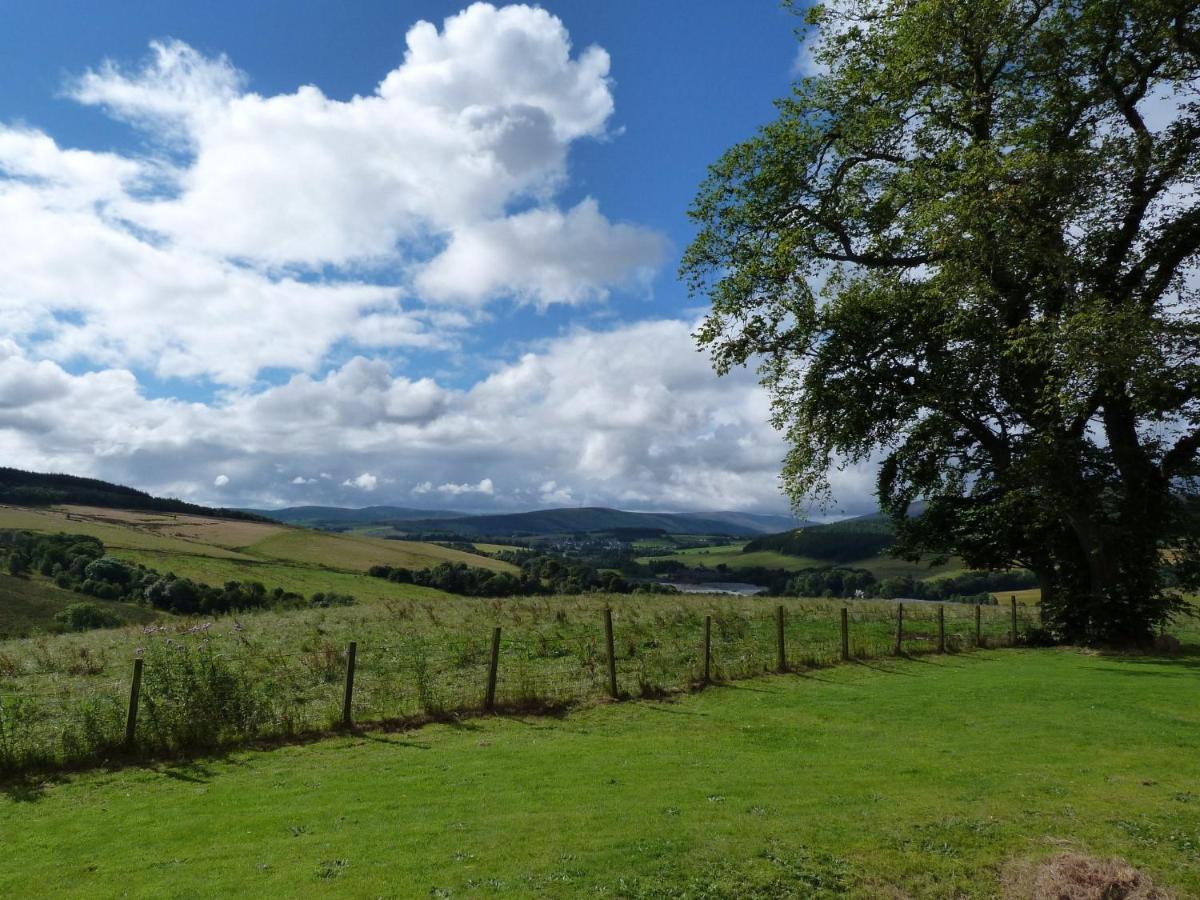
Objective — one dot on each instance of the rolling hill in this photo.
(21, 488)
(341, 517)
(837, 542)
(591, 520)
(213, 550)
(588, 520)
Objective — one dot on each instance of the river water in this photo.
(719, 587)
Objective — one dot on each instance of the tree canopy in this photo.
(965, 250)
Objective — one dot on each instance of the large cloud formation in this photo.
(631, 416)
(309, 219)
(299, 234)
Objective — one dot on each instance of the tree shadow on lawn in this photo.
(878, 666)
(1183, 664)
(30, 789)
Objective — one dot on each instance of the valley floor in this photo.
(924, 778)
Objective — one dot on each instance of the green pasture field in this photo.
(297, 577)
(731, 555)
(494, 548)
(113, 533)
(344, 552)
(936, 777)
(214, 551)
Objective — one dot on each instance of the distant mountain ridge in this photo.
(21, 488)
(567, 520)
(338, 516)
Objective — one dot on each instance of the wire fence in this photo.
(188, 696)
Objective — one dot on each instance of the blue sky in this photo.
(457, 290)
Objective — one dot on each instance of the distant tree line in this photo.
(839, 542)
(78, 563)
(538, 575)
(968, 587)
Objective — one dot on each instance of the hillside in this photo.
(21, 488)
(587, 520)
(29, 605)
(341, 517)
(590, 520)
(214, 550)
(838, 542)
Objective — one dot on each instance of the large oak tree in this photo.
(966, 250)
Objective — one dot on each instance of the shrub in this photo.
(195, 698)
(85, 616)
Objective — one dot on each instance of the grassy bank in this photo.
(922, 778)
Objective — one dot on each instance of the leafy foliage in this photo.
(78, 562)
(837, 542)
(539, 575)
(1001, 237)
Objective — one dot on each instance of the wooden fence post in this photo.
(941, 628)
(845, 634)
(899, 629)
(135, 693)
(612, 656)
(348, 700)
(707, 649)
(1013, 628)
(978, 625)
(779, 634)
(489, 702)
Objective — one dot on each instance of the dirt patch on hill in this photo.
(1074, 876)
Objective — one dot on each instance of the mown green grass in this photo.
(907, 778)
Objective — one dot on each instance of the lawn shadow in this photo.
(394, 740)
(1183, 662)
(29, 789)
(811, 675)
(876, 666)
(194, 771)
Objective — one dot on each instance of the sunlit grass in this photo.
(900, 779)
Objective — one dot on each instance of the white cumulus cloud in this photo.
(366, 482)
(315, 221)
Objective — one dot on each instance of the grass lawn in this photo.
(914, 778)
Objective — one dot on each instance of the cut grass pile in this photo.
(919, 778)
(62, 699)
